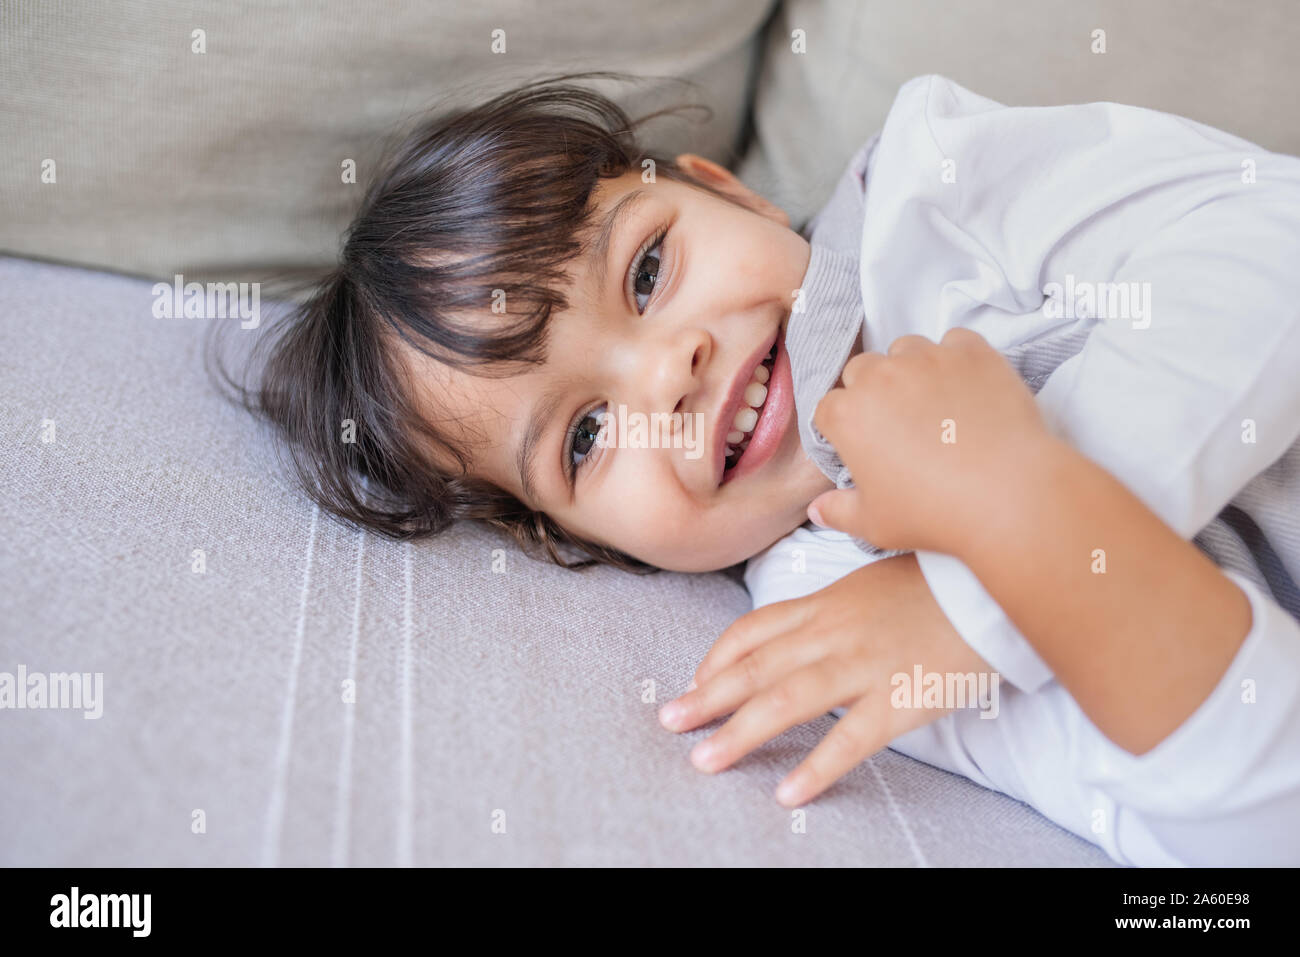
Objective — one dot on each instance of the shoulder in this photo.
(936, 110)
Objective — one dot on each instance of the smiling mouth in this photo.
(750, 410)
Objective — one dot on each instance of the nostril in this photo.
(678, 408)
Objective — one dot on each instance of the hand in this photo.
(933, 435)
(792, 661)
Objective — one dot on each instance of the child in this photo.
(524, 269)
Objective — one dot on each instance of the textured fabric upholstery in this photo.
(476, 692)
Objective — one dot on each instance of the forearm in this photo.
(1135, 622)
(932, 643)
(935, 643)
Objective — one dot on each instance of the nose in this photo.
(675, 374)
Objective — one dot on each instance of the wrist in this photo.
(935, 639)
(1031, 486)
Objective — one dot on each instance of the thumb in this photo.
(833, 509)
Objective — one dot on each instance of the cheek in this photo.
(752, 263)
(662, 516)
(707, 540)
(655, 520)
(646, 514)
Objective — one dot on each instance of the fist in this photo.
(934, 435)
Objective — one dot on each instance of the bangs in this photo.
(485, 215)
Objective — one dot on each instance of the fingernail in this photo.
(790, 790)
(671, 714)
(705, 754)
(691, 686)
(815, 515)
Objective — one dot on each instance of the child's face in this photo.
(681, 341)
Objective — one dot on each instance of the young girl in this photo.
(1031, 352)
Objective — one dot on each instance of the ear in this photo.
(723, 180)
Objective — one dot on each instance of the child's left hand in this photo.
(792, 661)
(935, 436)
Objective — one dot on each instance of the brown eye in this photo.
(585, 433)
(645, 275)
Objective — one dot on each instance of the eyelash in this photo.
(660, 234)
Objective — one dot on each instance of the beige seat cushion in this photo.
(228, 163)
(1231, 65)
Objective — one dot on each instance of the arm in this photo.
(1136, 623)
(950, 452)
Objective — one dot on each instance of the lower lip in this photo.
(773, 420)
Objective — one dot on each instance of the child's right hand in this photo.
(938, 436)
(792, 661)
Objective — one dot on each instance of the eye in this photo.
(583, 435)
(644, 274)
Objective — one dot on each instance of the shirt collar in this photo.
(826, 319)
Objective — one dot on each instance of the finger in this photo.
(909, 343)
(807, 693)
(857, 736)
(742, 680)
(749, 631)
(834, 509)
(836, 407)
(962, 337)
(859, 367)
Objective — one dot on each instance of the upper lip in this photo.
(731, 402)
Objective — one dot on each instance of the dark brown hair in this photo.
(493, 197)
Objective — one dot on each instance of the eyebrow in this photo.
(541, 416)
(544, 411)
(600, 246)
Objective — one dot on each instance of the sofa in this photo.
(281, 690)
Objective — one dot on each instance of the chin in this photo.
(741, 553)
(695, 566)
(757, 540)
(694, 563)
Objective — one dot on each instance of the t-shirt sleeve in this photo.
(1233, 759)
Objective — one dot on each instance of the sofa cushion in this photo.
(1225, 64)
(228, 163)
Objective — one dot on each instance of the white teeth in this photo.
(746, 419)
(747, 415)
